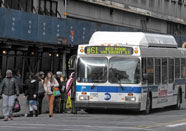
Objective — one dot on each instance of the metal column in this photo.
(64, 63)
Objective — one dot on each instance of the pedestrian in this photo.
(61, 78)
(49, 83)
(31, 95)
(41, 91)
(17, 76)
(71, 91)
(8, 89)
(1, 78)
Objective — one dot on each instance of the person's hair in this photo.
(37, 76)
(47, 79)
(31, 75)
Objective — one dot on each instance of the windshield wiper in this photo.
(120, 84)
(92, 87)
(116, 74)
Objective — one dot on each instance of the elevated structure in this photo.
(36, 32)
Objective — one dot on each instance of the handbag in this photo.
(69, 103)
(56, 91)
(17, 106)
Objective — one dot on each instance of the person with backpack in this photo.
(31, 95)
(71, 91)
(8, 90)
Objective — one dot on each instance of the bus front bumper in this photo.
(110, 105)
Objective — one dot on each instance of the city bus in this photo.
(130, 70)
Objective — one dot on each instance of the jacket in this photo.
(49, 86)
(62, 88)
(71, 89)
(31, 89)
(9, 87)
(41, 90)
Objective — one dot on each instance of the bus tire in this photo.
(89, 111)
(148, 105)
(178, 105)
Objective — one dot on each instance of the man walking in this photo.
(8, 89)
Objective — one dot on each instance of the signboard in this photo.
(109, 50)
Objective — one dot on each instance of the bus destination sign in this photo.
(109, 50)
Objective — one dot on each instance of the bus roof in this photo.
(133, 39)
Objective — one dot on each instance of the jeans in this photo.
(8, 103)
(40, 101)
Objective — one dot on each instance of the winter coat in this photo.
(9, 87)
(31, 89)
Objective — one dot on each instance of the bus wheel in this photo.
(90, 111)
(148, 105)
(178, 105)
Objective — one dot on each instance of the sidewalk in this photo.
(24, 107)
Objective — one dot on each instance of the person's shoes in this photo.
(50, 116)
(11, 118)
(5, 119)
(36, 113)
(30, 114)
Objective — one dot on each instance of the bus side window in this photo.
(164, 71)
(150, 71)
(177, 68)
(157, 71)
(171, 70)
(144, 69)
(182, 68)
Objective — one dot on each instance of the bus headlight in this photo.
(83, 97)
(132, 99)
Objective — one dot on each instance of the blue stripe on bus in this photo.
(112, 89)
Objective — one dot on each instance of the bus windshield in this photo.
(124, 70)
(92, 69)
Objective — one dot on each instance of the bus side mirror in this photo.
(72, 63)
(145, 76)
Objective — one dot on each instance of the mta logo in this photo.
(107, 96)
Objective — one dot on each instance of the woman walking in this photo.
(71, 91)
(31, 95)
(49, 83)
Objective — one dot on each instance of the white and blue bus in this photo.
(130, 70)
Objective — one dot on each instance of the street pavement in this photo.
(165, 119)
